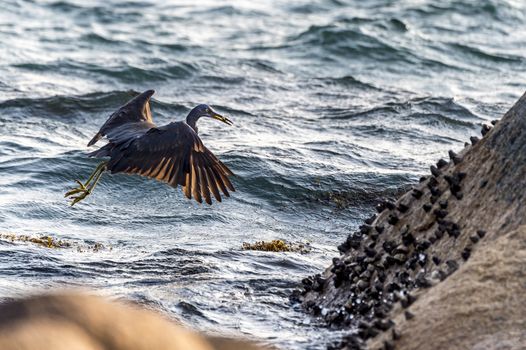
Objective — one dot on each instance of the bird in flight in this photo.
(171, 153)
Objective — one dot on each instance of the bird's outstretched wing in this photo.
(174, 154)
(136, 111)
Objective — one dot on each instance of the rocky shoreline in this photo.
(406, 265)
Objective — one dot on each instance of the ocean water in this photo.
(335, 105)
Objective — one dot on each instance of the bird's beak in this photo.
(221, 118)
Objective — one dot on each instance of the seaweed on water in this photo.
(43, 241)
(277, 245)
(50, 242)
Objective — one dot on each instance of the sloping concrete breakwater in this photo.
(443, 266)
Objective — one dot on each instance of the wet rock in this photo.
(389, 261)
(434, 171)
(466, 253)
(365, 229)
(402, 208)
(370, 219)
(407, 301)
(432, 182)
(452, 266)
(389, 204)
(454, 233)
(404, 278)
(485, 129)
(422, 179)
(389, 246)
(440, 213)
(411, 299)
(370, 252)
(362, 285)
(318, 283)
(458, 195)
(400, 259)
(454, 183)
(408, 239)
(494, 122)
(382, 276)
(392, 287)
(422, 281)
(422, 259)
(388, 345)
(454, 157)
(441, 274)
(383, 325)
(393, 219)
(350, 342)
(441, 163)
(400, 249)
(352, 241)
(409, 315)
(363, 308)
(423, 245)
(435, 191)
(474, 140)
(416, 193)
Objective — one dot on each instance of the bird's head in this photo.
(204, 110)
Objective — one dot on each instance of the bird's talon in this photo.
(81, 185)
(80, 197)
(73, 191)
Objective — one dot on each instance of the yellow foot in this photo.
(82, 189)
(76, 190)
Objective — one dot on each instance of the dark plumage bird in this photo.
(171, 153)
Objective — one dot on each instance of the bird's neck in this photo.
(192, 119)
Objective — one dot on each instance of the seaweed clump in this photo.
(52, 243)
(277, 245)
(43, 241)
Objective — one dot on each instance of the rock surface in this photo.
(82, 322)
(481, 306)
(393, 274)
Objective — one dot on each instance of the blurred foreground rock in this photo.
(82, 322)
(443, 266)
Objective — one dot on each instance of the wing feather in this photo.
(176, 155)
(212, 183)
(204, 182)
(186, 187)
(196, 186)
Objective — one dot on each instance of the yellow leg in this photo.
(86, 188)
